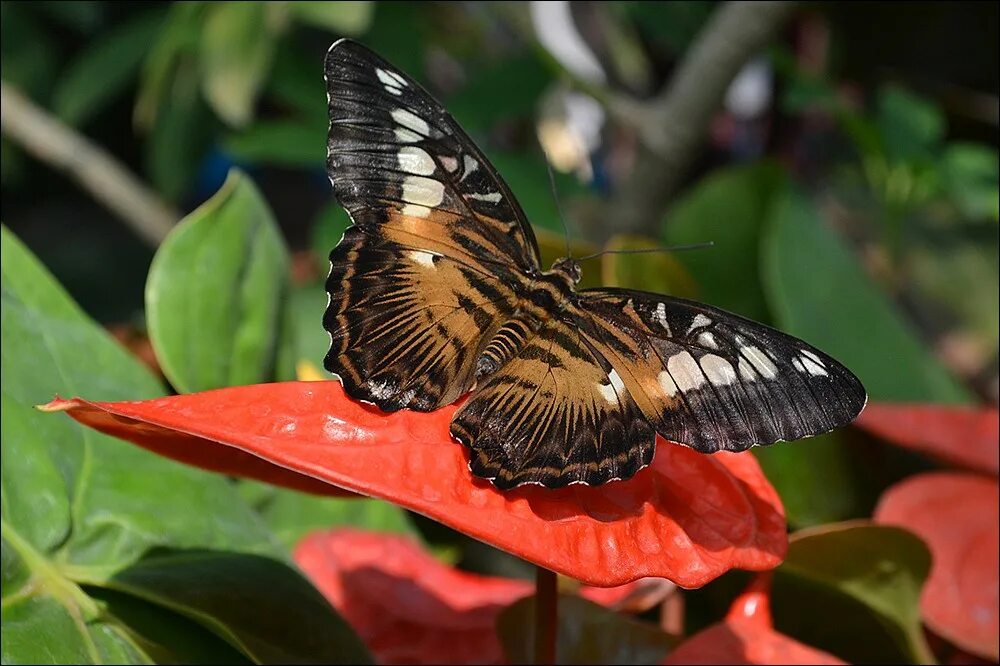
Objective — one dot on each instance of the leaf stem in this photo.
(546, 616)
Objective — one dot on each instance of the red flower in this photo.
(747, 636)
(408, 607)
(688, 517)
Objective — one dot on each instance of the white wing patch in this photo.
(760, 361)
(686, 372)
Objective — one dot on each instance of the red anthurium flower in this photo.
(957, 435)
(408, 607)
(688, 517)
(747, 636)
(957, 515)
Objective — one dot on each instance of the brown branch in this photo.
(103, 176)
(673, 125)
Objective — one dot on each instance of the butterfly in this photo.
(436, 291)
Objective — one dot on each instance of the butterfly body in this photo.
(436, 292)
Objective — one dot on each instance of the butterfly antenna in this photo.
(671, 248)
(555, 195)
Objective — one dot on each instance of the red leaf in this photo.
(957, 435)
(688, 517)
(407, 607)
(957, 515)
(747, 636)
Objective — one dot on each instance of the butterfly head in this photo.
(568, 268)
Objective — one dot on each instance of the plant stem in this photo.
(97, 171)
(546, 616)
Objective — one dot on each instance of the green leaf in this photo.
(349, 18)
(79, 506)
(820, 480)
(867, 579)
(280, 142)
(261, 606)
(659, 272)
(176, 43)
(910, 127)
(971, 171)
(486, 99)
(237, 45)
(819, 292)
(729, 208)
(217, 292)
(291, 515)
(586, 634)
(104, 69)
(180, 137)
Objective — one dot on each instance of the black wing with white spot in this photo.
(439, 248)
(401, 165)
(713, 380)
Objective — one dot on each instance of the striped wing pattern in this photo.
(716, 381)
(435, 291)
(555, 414)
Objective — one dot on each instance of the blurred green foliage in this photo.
(874, 237)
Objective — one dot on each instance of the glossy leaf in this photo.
(867, 578)
(261, 606)
(820, 292)
(216, 295)
(237, 45)
(957, 517)
(747, 636)
(688, 517)
(79, 508)
(730, 208)
(958, 435)
(586, 633)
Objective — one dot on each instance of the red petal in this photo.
(688, 517)
(747, 637)
(958, 435)
(957, 515)
(406, 606)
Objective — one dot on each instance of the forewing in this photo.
(555, 414)
(427, 272)
(401, 166)
(407, 325)
(713, 380)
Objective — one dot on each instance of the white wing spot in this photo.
(806, 365)
(746, 370)
(667, 383)
(607, 391)
(808, 354)
(411, 121)
(415, 160)
(389, 82)
(413, 210)
(492, 197)
(423, 258)
(718, 370)
(423, 191)
(661, 316)
(470, 165)
(685, 371)
(616, 381)
(760, 361)
(404, 135)
(706, 339)
(699, 321)
(450, 163)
